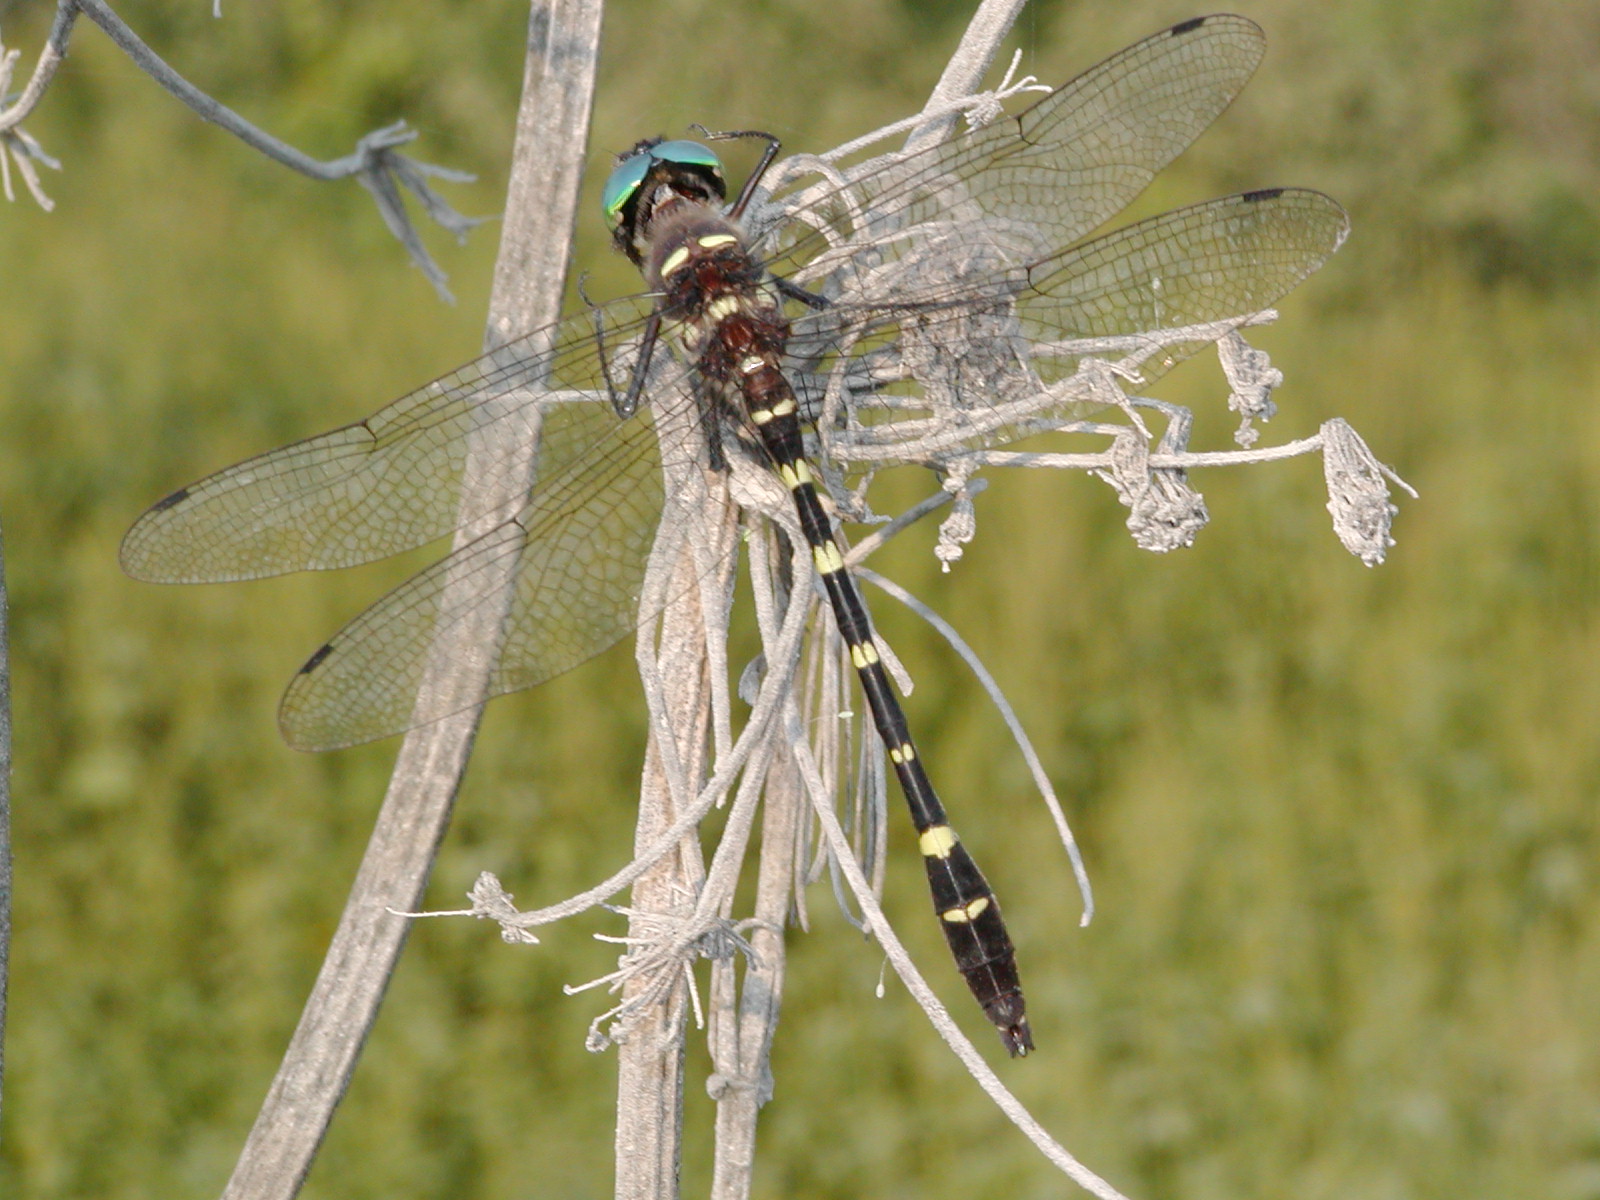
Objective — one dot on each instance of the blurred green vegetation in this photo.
(1342, 823)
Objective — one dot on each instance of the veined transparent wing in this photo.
(1031, 183)
(1221, 261)
(578, 551)
(393, 481)
(976, 345)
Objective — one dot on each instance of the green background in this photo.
(1341, 822)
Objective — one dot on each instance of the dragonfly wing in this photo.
(1034, 182)
(980, 346)
(577, 553)
(1220, 261)
(392, 481)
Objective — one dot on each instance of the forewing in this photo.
(1036, 182)
(392, 481)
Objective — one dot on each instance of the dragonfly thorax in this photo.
(714, 295)
(695, 249)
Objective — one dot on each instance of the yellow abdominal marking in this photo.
(712, 240)
(863, 655)
(794, 476)
(751, 365)
(967, 914)
(903, 754)
(828, 558)
(722, 306)
(783, 407)
(937, 841)
(675, 261)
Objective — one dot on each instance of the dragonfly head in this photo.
(654, 176)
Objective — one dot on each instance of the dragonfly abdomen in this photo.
(966, 905)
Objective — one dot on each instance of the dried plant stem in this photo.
(552, 127)
(375, 163)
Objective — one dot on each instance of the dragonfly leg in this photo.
(795, 292)
(767, 155)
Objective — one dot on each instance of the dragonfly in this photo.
(960, 275)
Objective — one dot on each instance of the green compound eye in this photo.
(624, 182)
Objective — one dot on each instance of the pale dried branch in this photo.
(1148, 475)
(17, 146)
(552, 127)
(375, 163)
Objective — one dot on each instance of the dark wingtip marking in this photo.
(1188, 26)
(315, 660)
(177, 497)
(1261, 194)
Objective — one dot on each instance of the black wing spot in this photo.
(1188, 26)
(177, 497)
(1263, 194)
(315, 660)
